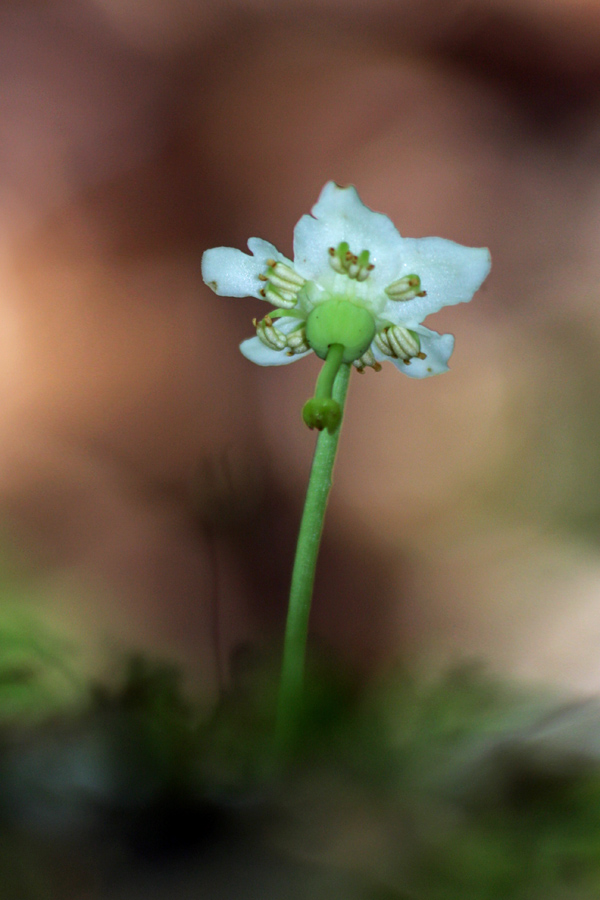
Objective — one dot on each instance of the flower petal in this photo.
(437, 349)
(449, 273)
(232, 273)
(340, 215)
(257, 352)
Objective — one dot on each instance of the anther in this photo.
(399, 343)
(270, 336)
(364, 267)
(279, 297)
(282, 284)
(406, 288)
(297, 343)
(367, 359)
(286, 274)
(343, 261)
(335, 262)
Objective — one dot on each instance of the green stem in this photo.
(303, 574)
(329, 372)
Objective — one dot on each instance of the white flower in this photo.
(354, 281)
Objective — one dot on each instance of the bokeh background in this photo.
(151, 479)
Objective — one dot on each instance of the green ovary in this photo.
(339, 321)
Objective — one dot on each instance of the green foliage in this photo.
(37, 677)
(152, 727)
(413, 789)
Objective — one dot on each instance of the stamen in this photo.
(282, 284)
(367, 359)
(399, 343)
(279, 297)
(297, 343)
(269, 335)
(406, 288)
(335, 262)
(290, 275)
(344, 262)
(364, 266)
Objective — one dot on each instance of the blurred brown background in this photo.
(151, 479)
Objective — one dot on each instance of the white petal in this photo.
(257, 352)
(232, 273)
(340, 215)
(449, 273)
(437, 349)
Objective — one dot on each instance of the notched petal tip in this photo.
(334, 197)
(339, 216)
(230, 273)
(336, 186)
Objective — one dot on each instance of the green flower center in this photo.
(339, 321)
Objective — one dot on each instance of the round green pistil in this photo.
(339, 321)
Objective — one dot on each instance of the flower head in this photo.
(354, 282)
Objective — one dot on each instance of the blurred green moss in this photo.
(444, 788)
(38, 675)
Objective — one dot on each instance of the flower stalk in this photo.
(305, 563)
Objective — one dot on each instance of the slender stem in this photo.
(328, 373)
(303, 575)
